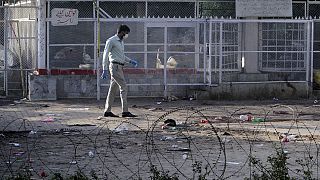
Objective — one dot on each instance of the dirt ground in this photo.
(209, 139)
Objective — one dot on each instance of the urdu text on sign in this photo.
(64, 17)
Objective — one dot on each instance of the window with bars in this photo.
(282, 46)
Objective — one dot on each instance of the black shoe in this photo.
(109, 114)
(128, 114)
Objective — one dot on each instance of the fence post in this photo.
(5, 44)
(309, 66)
(210, 53)
(220, 52)
(165, 60)
(41, 34)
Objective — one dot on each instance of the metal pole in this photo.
(165, 60)
(48, 43)
(197, 47)
(145, 46)
(220, 53)
(6, 50)
(205, 53)
(308, 53)
(311, 58)
(210, 53)
(42, 34)
(97, 47)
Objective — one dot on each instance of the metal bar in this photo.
(145, 47)
(165, 60)
(96, 49)
(23, 38)
(172, 20)
(205, 52)
(169, 84)
(308, 54)
(262, 82)
(5, 44)
(196, 46)
(47, 42)
(60, 45)
(311, 58)
(146, 9)
(220, 53)
(210, 52)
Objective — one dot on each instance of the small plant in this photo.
(77, 176)
(157, 175)
(306, 169)
(26, 175)
(278, 167)
(197, 169)
(57, 176)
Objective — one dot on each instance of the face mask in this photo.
(125, 36)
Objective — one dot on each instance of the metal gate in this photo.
(18, 48)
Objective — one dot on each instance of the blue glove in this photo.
(104, 74)
(134, 62)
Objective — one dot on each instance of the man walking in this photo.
(114, 56)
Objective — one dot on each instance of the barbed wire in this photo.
(207, 141)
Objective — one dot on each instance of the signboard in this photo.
(64, 17)
(263, 8)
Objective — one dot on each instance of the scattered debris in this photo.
(32, 132)
(78, 109)
(257, 120)
(20, 153)
(185, 156)
(225, 140)
(281, 112)
(155, 109)
(81, 125)
(15, 144)
(166, 138)
(173, 98)
(159, 102)
(91, 154)
(121, 128)
(174, 146)
(288, 137)
(48, 119)
(229, 162)
(100, 117)
(259, 145)
(170, 122)
(180, 149)
(205, 121)
(246, 117)
(226, 134)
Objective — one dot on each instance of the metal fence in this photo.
(18, 46)
(206, 51)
